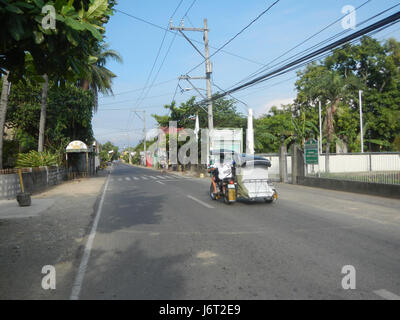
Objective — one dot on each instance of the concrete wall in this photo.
(384, 190)
(39, 179)
(273, 172)
(359, 162)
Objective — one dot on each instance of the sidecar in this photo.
(252, 179)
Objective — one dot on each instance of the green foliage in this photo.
(10, 153)
(224, 111)
(35, 159)
(369, 66)
(69, 115)
(60, 53)
(104, 152)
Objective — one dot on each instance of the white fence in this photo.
(358, 162)
(366, 167)
(273, 172)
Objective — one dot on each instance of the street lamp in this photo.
(361, 121)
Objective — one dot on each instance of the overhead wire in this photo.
(374, 28)
(291, 58)
(236, 35)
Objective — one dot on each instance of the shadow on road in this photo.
(126, 210)
(133, 274)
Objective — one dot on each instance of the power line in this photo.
(291, 59)
(375, 27)
(169, 48)
(238, 100)
(155, 61)
(236, 35)
(166, 29)
(188, 9)
(301, 43)
(138, 89)
(127, 101)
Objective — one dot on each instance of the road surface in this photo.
(162, 237)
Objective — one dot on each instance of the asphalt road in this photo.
(162, 237)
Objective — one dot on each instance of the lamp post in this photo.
(361, 121)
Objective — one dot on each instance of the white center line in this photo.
(201, 202)
(76, 289)
(387, 294)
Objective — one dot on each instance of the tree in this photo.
(59, 53)
(106, 154)
(224, 112)
(3, 112)
(43, 109)
(62, 51)
(69, 115)
(96, 76)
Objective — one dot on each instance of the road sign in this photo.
(311, 151)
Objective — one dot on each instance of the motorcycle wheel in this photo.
(212, 195)
(226, 197)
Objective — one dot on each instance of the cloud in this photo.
(277, 103)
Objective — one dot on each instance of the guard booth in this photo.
(80, 160)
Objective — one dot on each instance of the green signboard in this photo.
(311, 151)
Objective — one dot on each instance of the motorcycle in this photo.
(226, 189)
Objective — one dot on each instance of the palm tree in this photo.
(96, 76)
(43, 111)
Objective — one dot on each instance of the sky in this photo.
(285, 25)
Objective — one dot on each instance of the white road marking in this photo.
(135, 178)
(160, 182)
(387, 295)
(161, 177)
(201, 202)
(154, 178)
(76, 289)
(127, 179)
(119, 179)
(144, 178)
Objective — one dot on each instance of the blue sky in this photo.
(287, 24)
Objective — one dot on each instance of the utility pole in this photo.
(320, 126)
(361, 121)
(144, 129)
(208, 77)
(206, 57)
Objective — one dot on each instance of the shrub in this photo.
(37, 159)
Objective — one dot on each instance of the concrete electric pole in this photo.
(206, 58)
(144, 129)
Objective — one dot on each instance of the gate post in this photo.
(282, 162)
(297, 163)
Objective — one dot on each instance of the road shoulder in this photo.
(54, 235)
